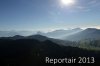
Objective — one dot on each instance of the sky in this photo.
(46, 15)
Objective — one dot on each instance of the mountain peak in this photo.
(18, 36)
(77, 29)
(91, 29)
(89, 33)
(38, 37)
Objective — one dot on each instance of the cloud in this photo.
(92, 2)
(81, 8)
(88, 6)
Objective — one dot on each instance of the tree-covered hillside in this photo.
(27, 52)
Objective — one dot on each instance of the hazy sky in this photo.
(48, 14)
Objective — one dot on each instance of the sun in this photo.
(67, 2)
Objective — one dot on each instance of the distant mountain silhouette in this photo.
(44, 38)
(60, 33)
(89, 33)
(53, 34)
(41, 38)
(17, 37)
(13, 37)
(37, 37)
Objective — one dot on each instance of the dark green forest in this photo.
(29, 52)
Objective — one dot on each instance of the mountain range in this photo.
(70, 35)
(60, 33)
(52, 34)
(41, 38)
(32, 50)
(89, 33)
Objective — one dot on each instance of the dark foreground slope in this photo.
(29, 52)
